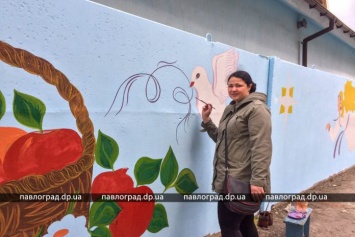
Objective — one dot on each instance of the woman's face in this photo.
(238, 89)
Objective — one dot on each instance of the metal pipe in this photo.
(311, 37)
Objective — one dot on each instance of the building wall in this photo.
(134, 78)
(265, 27)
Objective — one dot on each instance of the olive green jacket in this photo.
(249, 142)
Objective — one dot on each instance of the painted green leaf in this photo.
(101, 231)
(39, 233)
(71, 205)
(106, 151)
(103, 213)
(169, 169)
(146, 170)
(2, 105)
(186, 182)
(159, 220)
(28, 110)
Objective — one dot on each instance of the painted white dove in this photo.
(216, 93)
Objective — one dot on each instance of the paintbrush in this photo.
(204, 102)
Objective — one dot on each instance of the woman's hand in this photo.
(257, 193)
(206, 112)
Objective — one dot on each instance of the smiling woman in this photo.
(243, 155)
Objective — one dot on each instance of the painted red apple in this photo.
(39, 153)
(134, 217)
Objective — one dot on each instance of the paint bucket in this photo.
(265, 219)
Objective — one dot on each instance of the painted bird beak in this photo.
(192, 84)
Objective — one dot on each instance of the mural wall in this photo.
(99, 101)
(312, 125)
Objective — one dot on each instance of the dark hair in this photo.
(245, 77)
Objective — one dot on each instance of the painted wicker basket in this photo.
(22, 219)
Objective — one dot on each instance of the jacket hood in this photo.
(233, 106)
(251, 97)
(256, 96)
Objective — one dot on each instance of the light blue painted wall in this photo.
(98, 48)
(303, 151)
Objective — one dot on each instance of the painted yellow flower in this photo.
(69, 226)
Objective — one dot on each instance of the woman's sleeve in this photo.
(211, 129)
(259, 125)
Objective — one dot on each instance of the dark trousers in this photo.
(234, 224)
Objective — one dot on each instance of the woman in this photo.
(249, 149)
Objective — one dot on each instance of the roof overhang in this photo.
(321, 15)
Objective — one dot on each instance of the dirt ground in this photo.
(328, 219)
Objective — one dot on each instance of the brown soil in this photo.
(328, 219)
